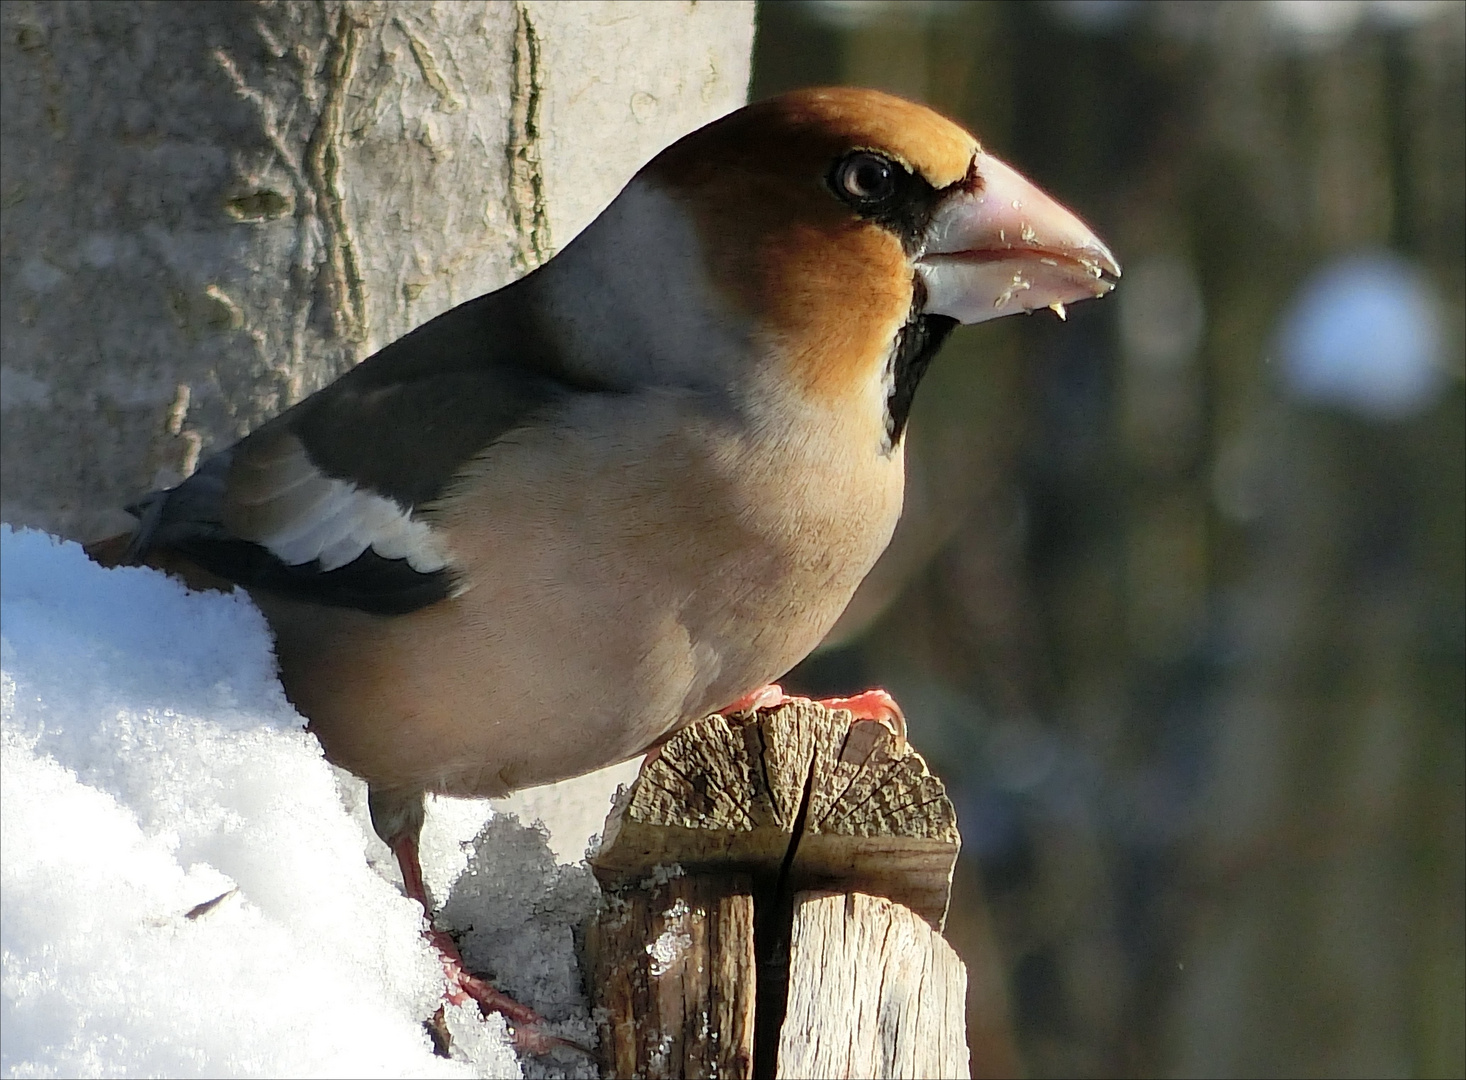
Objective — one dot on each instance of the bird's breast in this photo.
(629, 568)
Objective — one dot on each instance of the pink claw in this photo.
(871, 705)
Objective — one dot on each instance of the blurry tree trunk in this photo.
(211, 210)
(1330, 843)
(1330, 836)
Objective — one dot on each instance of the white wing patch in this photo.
(346, 522)
(279, 499)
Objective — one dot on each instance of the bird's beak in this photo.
(1008, 247)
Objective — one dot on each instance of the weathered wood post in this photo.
(775, 891)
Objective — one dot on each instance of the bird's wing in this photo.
(328, 501)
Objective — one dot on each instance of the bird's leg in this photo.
(524, 1022)
(871, 705)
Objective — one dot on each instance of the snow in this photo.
(151, 764)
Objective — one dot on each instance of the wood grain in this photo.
(725, 792)
(673, 970)
(874, 991)
(775, 888)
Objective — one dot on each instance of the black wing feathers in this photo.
(401, 424)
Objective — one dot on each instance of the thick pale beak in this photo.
(1007, 248)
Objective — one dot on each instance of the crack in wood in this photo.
(876, 786)
(835, 803)
(722, 792)
(792, 801)
(773, 931)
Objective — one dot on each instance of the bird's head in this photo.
(840, 229)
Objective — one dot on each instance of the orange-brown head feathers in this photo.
(829, 285)
(802, 133)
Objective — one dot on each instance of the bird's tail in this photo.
(149, 513)
(113, 551)
(167, 521)
(131, 548)
(136, 548)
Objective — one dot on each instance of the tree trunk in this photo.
(211, 210)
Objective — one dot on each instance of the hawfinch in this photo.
(541, 532)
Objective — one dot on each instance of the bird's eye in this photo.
(865, 178)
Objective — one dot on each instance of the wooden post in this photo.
(775, 893)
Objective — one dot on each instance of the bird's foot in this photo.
(874, 705)
(765, 697)
(526, 1027)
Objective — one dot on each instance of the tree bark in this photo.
(211, 210)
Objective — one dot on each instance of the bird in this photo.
(545, 530)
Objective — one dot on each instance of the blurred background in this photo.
(1177, 608)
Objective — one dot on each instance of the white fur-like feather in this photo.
(283, 502)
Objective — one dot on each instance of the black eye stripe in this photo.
(886, 192)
